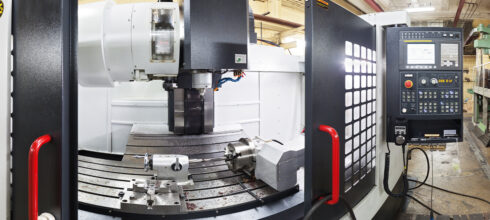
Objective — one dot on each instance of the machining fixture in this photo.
(241, 155)
(168, 167)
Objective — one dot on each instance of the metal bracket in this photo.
(164, 196)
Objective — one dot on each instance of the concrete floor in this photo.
(463, 168)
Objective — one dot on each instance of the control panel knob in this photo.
(400, 139)
(433, 81)
(408, 84)
(423, 81)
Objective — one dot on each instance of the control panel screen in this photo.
(421, 54)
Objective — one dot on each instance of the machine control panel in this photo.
(424, 83)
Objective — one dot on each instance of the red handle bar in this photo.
(335, 163)
(33, 175)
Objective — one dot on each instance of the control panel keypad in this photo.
(427, 94)
(449, 107)
(408, 96)
(449, 94)
(428, 107)
(430, 94)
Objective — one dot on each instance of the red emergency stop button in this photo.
(408, 84)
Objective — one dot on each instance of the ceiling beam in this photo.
(374, 5)
(277, 21)
(458, 12)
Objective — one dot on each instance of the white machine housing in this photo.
(6, 88)
(126, 42)
(277, 164)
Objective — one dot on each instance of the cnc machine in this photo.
(159, 110)
(189, 166)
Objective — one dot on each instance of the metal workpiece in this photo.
(105, 184)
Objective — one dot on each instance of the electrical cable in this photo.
(322, 201)
(422, 204)
(404, 179)
(277, 141)
(435, 187)
(387, 174)
(428, 166)
(229, 79)
(452, 192)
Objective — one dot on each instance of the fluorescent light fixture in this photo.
(420, 9)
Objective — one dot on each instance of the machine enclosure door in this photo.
(341, 93)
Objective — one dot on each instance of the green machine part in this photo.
(484, 42)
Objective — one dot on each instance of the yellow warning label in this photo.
(417, 41)
(322, 3)
(431, 135)
(1, 8)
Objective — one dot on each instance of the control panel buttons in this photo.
(408, 96)
(408, 84)
(429, 94)
(433, 81)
